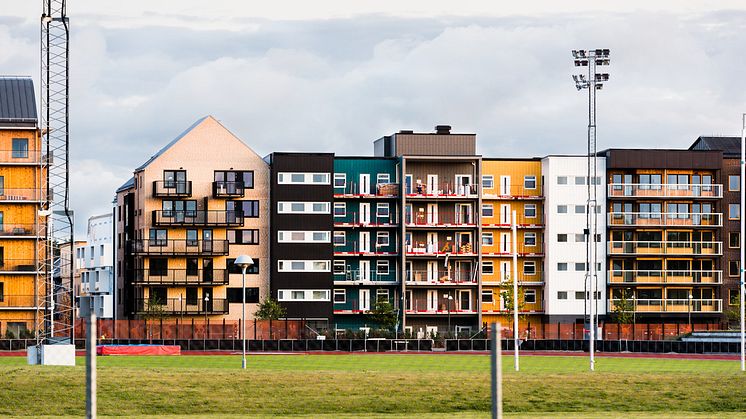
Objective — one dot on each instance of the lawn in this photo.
(392, 386)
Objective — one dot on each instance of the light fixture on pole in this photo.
(690, 312)
(516, 337)
(592, 81)
(741, 244)
(449, 298)
(244, 262)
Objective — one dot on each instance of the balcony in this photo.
(172, 188)
(197, 218)
(525, 249)
(435, 250)
(20, 157)
(17, 302)
(353, 219)
(441, 219)
(179, 247)
(524, 278)
(366, 276)
(441, 277)
(223, 189)
(21, 196)
(514, 192)
(19, 266)
(665, 277)
(639, 190)
(19, 231)
(683, 306)
(352, 306)
(179, 306)
(180, 276)
(496, 307)
(522, 221)
(384, 190)
(675, 248)
(425, 191)
(664, 219)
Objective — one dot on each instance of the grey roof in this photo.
(169, 145)
(730, 146)
(127, 185)
(17, 101)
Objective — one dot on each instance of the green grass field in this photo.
(391, 386)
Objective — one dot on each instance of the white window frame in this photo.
(338, 292)
(379, 267)
(380, 178)
(491, 295)
(341, 234)
(527, 179)
(308, 265)
(490, 208)
(342, 205)
(286, 207)
(380, 235)
(342, 176)
(488, 267)
(529, 263)
(526, 293)
(490, 180)
(380, 292)
(380, 206)
(308, 295)
(286, 178)
(337, 264)
(530, 234)
(286, 236)
(526, 207)
(490, 238)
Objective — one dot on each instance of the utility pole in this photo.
(516, 338)
(741, 244)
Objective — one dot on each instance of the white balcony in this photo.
(665, 277)
(683, 248)
(642, 190)
(665, 219)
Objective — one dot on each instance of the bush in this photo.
(9, 334)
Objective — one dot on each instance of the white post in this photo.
(515, 293)
(741, 244)
(90, 365)
(243, 317)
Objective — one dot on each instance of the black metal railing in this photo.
(178, 247)
(168, 188)
(222, 189)
(182, 306)
(197, 217)
(154, 276)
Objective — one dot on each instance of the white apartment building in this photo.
(566, 195)
(95, 262)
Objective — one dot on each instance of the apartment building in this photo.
(366, 238)
(301, 220)
(512, 185)
(566, 213)
(94, 263)
(664, 228)
(182, 220)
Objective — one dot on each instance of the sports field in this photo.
(391, 386)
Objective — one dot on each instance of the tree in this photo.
(383, 314)
(509, 301)
(270, 310)
(733, 314)
(623, 312)
(155, 310)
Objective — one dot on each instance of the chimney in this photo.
(442, 129)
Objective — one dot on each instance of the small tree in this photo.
(270, 310)
(383, 314)
(623, 312)
(509, 301)
(154, 311)
(733, 314)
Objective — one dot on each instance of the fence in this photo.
(609, 331)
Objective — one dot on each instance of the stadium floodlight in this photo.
(244, 262)
(593, 82)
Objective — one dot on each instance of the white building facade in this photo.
(566, 194)
(95, 262)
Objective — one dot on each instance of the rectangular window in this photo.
(579, 295)
(382, 210)
(580, 238)
(303, 295)
(382, 238)
(233, 295)
(562, 238)
(734, 183)
(235, 269)
(234, 180)
(2, 185)
(303, 207)
(488, 210)
(734, 211)
(158, 267)
(340, 238)
(561, 266)
(340, 180)
(529, 182)
(295, 178)
(580, 267)
(2, 292)
(529, 210)
(488, 181)
(339, 267)
(487, 239)
(529, 296)
(733, 268)
(158, 237)
(303, 265)
(340, 209)
(562, 180)
(487, 296)
(529, 268)
(382, 267)
(488, 268)
(159, 295)
(734, 240)
(383, 178)
(561, 209)
(340, 296)
(580, 180)
(382, 294)
(242, 236)
(20, 148)
(295, 236)
(562, 295)
(579, 209)
(529, 239)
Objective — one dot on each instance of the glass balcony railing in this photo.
(665, 276)
(648, 190)
(670, 305)
(660, 219)
(684, 248)
(179, 247)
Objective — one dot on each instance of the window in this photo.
(303, 295)
(734, 240)
(487, 296)
(529, 210)
(294, 236)
(579, 295)
(562, 238)
(561, 266)
(303, 265)
(488, 181)
(488, 210)
(579, 209)
(580, 238)
(562, 295)
(562, 180)
(488, 268)
(561, 209)
(295, 178)
(382, 210)
(340, 296)
(580, 180)
(158, 267)
(340, 180)
(158, 237)
(234, 295)
(2, 185)
(234, 180)
(529, 239)
(382, 238)
(382, 294)
(529, 296)
(340, 238)
(734, 183)
(580, 267)
(339, 267)
(303, 207)
(2, 292)
(340, 209)
(734, 211)
(382, 267)
(529, 268)
(20, 148)
(529, 182)
(383, 178)
(487, 239)
(158, 295)
(733, 268)
(242, 236)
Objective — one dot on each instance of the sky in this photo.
(334, 75)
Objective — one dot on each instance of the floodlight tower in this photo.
(593, 81)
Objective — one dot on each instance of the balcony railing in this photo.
(18, 230)
(523, 278)
(512, 192)
(180, 276)
(671, 305)
(20, 156)
(506, 248)
(653, 219)
(352, 306)
(683, 248)
(353, 219)
(436, 249)
(179, 247)
(208, 218)
(446, 219)
(666, 277)
(441, 277)
(172, 188)
(222, 189)
(19, 266)
(30, 195)
(23, 302)
(365, 275)
(641, 190)
(522, 221)
(180, 306)
(445, 190)
(352, 190)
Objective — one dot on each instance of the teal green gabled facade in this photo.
(366, 238)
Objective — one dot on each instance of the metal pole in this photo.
(496, 367)
(741, 244)
(243, 318)
(515, 293)
(90, 366)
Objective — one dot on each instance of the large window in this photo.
(232, 179)
(303, 207)
(303, 265)
(734, 240)
(733, 268)
(249, 209)
(295, 178)
(382, 210)
(303, 295)
(294, 236)
(20, 148)
(235, 269)
(234, 295)
(243, 236)
(734, 211)
(158, 237)
(734, 183)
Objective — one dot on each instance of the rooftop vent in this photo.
(406, 131)
(442, 129)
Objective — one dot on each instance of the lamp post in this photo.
(244, 262)
(449, 298)
(634, 311)
(593, 81)
(204, 336)
(690, 311)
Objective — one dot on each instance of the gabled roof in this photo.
(127, 185)
(169, 145)
(730, 146)
(17, 102)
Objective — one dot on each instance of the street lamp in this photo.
(593, 82)
(204, 337)
(244, 262)
(690, 312)
(634, 311)
(449, 298)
